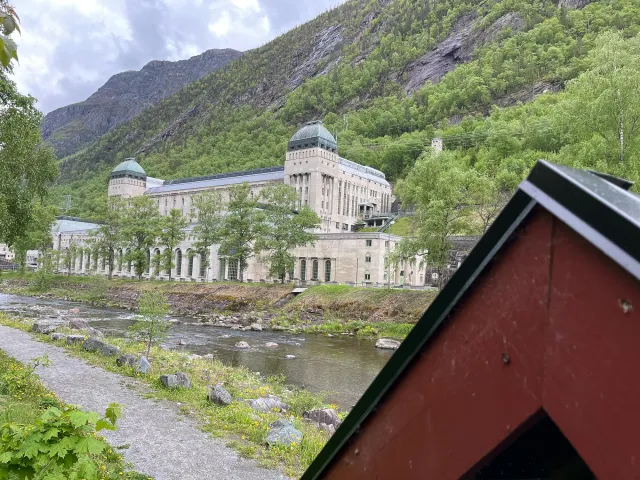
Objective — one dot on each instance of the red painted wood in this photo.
(460, 400)
(592, 389)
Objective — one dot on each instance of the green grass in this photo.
(245, 428)
(403, 227)
(23, 399)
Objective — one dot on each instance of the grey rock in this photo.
(144, 366)
(126, 94)
(328, 416)
(58, 336)
(387, 343)
(78, 324)
(330, 429)
(268, 404)
(243, 345)
(127, 360)
(574, 4)
(219, 395)
(44, 327)
(208, 356)
(282, 432)
(177, 380)
(181, 342)
(75, 339)
(194, 356)
(96, 345)
(94, 332)
(256, 327)
(271, 345)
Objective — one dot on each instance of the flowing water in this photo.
(342, 366)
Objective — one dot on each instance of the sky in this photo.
(69, 48)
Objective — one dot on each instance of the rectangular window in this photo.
(223, 269)
(233, 269)
(368, 242)
(338, 225)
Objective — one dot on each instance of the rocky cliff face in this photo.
(69, 129)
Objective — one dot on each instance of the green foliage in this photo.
(8, 25)
(208, 208)
(37, 236)
(242, 225)
(108, 238)
(285, 229)
(152, 325)
(171, 234)
(140, 226)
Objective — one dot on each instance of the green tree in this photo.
(439, 186)
(108, 238)
(140, 228)
(285, 228)
(208, 208)
(242, 225)
(37, 236)
(27, 168)
(152, 325)
(171, 234)
(8, 25)
(69, 255)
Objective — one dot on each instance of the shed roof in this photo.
(597, 207)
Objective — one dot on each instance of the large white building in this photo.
(341, 192)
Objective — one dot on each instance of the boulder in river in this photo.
(177, 380)
(256, 327)
(144, 366)
(243, 345)
(271, 345)
(94, 331)
(74, 310)
(78, 324)
(219, 395)
(268, 404)
(75, 339)
(127, 360)
(327, 416)
(96, 345)
(282, 432)
(181, 342)
(387, 343)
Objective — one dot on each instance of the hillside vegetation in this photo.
(359, 67)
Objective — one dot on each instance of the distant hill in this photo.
(384, 75)
(70, 128)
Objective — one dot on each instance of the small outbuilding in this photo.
(527, 364)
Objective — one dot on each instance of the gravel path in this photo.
(163, 444)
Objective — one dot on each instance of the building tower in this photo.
(127, 180)
(311, 167)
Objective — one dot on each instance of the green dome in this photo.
(313, 134)
(129, 167)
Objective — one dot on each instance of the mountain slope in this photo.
(385, 75)
(125, 95)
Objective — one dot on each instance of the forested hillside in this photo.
(387, 76)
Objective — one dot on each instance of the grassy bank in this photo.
(244, 428)
(323, 308)
(23, 403)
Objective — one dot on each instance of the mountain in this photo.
(385, 76)
(70, 128)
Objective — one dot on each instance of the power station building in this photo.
(342, 193)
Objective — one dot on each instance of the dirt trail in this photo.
(163, 444)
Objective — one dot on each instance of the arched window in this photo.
(327, 271)
(203, 265)
(303, 270)
(367, 275)
(223, 269)
(233, 269)
(315, 270)
(178, 262)
(367, 258)
(190, 264)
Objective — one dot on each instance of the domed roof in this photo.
(129, 166)
(313, 134)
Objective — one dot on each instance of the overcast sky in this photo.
(69, 48)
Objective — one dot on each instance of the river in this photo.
(341, 366)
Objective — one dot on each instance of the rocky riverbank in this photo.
(331, 309)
